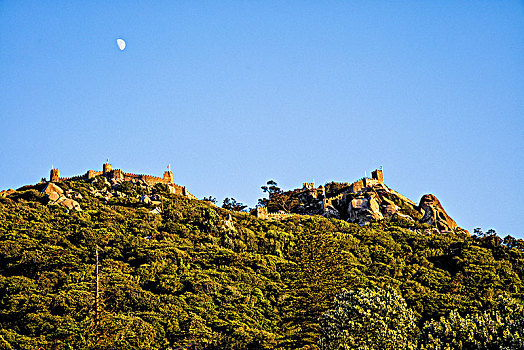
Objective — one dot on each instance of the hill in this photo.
(176, 272)
(363, 201)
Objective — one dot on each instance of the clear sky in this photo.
(234, 93)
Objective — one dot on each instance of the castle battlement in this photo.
(118, 174)
(308, 185)
(337, 197)
(377, 177)
(262, 213)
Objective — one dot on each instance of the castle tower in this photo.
(308, 185)
(168, 176)
(378, 175)
(261, 213)
(118, 174)
(54, 175)
(107, 168)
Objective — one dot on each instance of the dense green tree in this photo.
(369, 319)
(233, 205)
(202, 277)
(272, 189)
(161, 188)
(277, 200)
(500, 328)
(210, 199)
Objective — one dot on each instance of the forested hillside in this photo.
(196, 276)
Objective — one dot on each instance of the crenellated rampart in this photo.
(93, 173)
(357, 186)
(337, 197)
(73, 178)
(119, 175)
(377, 177)
(262, 213)
(280, 216)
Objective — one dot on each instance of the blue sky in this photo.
(234, 93)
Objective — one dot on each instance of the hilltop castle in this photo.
(309, 189)
(119, 175)
(377, 177)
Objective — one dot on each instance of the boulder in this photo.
(54, 196)
(145, 199)
(52, 188)
(398, 215)
(70, 204)
(364, 210)
(389, 209)
(228, 222)
(6, 193)
(434, 214)
(156, 211)
(331, 212)
(375, 209)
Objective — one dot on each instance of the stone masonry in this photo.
(119, 175)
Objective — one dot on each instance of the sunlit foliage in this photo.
(201, 277)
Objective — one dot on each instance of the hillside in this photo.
(364, 201)
(176, 272)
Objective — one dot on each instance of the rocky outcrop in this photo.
(370, 200)
(56, 196)
(52, 188)
(331, 212)
(364, 210)
(228, 222)
(69, 204)
(6, 193)
(434, 214)
(388, 208)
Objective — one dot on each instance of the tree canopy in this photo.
(198, 276)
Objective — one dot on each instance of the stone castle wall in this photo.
(341, 197)
(119, 175)
(370, 182)
(377, 177)
(357, 186)
(262, 213)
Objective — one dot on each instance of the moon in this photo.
(121, 44)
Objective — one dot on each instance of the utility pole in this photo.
(97, 295)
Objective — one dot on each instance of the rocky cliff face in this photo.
(364, 210)
(373, 203)
(434, 213)
(56, 196)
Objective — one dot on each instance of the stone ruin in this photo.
(119, 175)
